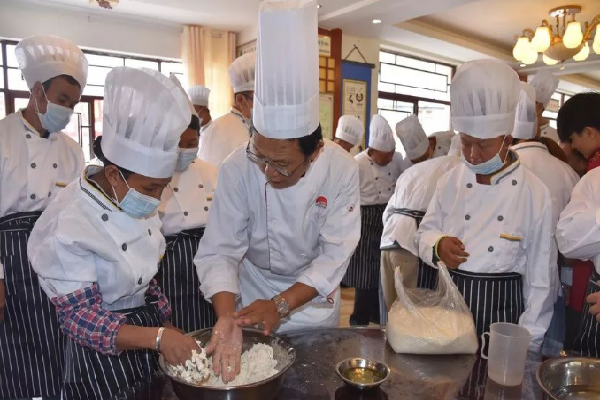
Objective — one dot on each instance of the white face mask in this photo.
(185, 158)
(56, 117)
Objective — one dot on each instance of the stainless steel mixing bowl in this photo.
(570, 378)
(283, 352)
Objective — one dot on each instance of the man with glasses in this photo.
(285, 217)
(230, 131)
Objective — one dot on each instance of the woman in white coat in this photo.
(97, 247)
(284, 220)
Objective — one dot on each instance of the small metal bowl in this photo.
(379, 368)
(570, 378)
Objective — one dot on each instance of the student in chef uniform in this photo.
(200, 96)
(285, 218)
(577, 232)
(183, 212)
(38, 161)
(440, 142)
(490, 219)
(379, 167)
(97, 247)
(230, 131)
(560, 179)
(349, 133)
(545, 85)
(406, 208)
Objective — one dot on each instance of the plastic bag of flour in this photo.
(423, 321)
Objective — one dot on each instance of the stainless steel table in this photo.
(413, 377)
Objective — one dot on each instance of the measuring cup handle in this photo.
(485, 357)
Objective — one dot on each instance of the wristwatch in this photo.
(283, 307)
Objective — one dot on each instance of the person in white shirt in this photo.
(97, 247)
(440, 142)
(38, 161)
(379, 166)
(406, 208)
(349, 133)
(560, 179)
(577, 232)
(545, 84)
(200, 96)
(284, 220)
(183, 211)
(230, 131)
(490, 219)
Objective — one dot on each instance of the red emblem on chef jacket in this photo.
(321, 201)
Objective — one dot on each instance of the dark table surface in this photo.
(412, 377)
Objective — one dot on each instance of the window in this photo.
(557, 100)
(410, 86)
(86, 122)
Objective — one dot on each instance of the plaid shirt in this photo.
(83, 319)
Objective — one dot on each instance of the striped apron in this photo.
(179, 281)
(31, 346)
(365, 264)
(90, 375)
(587, 341)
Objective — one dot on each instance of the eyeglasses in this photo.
(255, 158)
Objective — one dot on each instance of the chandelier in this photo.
(558, 42)
(108, 4)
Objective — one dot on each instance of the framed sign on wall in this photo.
(355, 99)
(326, 114)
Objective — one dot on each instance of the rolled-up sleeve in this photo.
(339, 237)
(225, 240)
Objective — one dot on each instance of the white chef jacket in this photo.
(516, 205)
(274, 238)
(377, 183)
(443, 143)
(578, 231)
(414, 190)
(224, 135)
(205, 127)
(186, 200)
(550, 132)
(83, 238)
(33, 170)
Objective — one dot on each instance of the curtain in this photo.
(206, 55)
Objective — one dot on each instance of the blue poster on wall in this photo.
(356, 92)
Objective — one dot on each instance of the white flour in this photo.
(257, 365)
(433, 330)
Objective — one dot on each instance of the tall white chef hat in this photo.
(545, 85)
(286, 100)
(145, 114)
(381, 136)
(199, 95)
(177, 83)
(350, 129)
(455, 146)
(242, 72)
(483, 99)
(413, 137)
(443, 141)
(45, 57)
(526, 116)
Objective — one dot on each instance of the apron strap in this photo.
(22, 221)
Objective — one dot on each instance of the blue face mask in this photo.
(489, 167)
(56, 117)
(185, 158)
(135, 204)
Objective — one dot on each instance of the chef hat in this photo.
(443, 141)
(145, 114)
(545, 85)
(199, 95)
(413, 137)
(241, 73)
(350, 129)
(381, 136)
(526, 116)
(483, 99)
(455, 146)
(177, 83)
(286, 100)
(45, 57)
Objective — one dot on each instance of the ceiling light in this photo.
(531, 56)
(521, 48)
(583, 54)
(573, 35)
(376, 21)
(596, 45)
(548, 61)
(523, 65)
(319, 6)
(541, 40)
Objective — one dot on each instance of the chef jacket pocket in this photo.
(512, 247)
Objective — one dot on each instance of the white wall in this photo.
(370, 50)
(114, 34)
